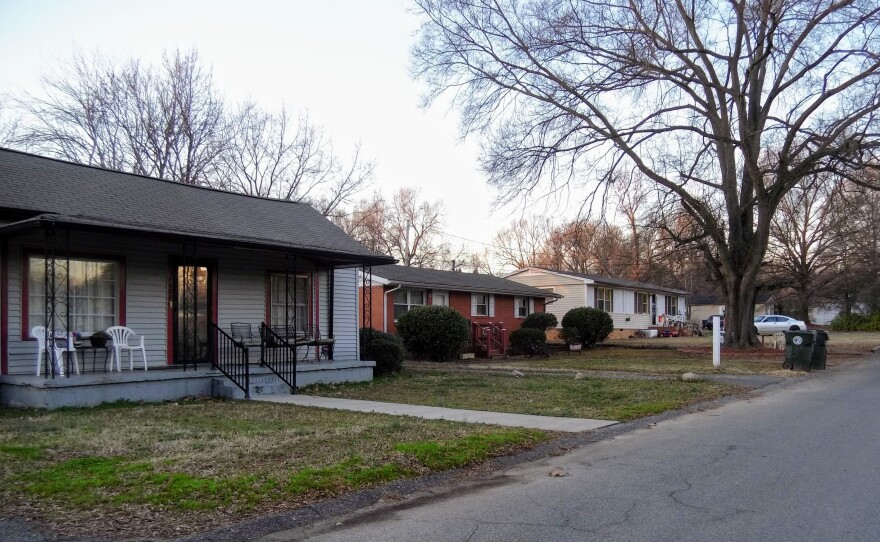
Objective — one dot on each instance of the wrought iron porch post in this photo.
(56, 307)
(367, 311)
(331, 301)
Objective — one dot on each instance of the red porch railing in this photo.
(489, 339)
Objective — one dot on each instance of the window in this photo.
(404, 300)
(604, 299)
(520, 307)
(642, 306)
(440, 298)
(297, 301)
(94, 294)
(672, 305)
(482, 305)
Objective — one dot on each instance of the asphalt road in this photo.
(796, 463)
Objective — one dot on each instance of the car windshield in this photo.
(758, 318)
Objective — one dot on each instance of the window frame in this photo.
(409, 304)
(24, 279)
(309, 301)
(489, 304)
(517, 306)
(609, 300)
(436, 293)
(667, 300)
(647, 303)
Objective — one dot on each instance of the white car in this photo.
(767, 324)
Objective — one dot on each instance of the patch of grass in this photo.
(546, 395)
(193, 465)
(446, 455)
(29, 453)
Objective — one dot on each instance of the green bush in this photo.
(856, 322)
(521, 339)
(570, 334)
(592, 325)
(540, 320)
(385, 349)
(433, 332)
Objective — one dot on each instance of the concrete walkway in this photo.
(549, 423)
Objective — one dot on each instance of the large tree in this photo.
(725, 105)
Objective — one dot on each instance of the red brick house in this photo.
(482, 299)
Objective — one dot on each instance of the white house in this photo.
(632, 305)
(227, 291)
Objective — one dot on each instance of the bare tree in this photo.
(366, 222)
(165, 122)
(523, 243)
(8, 124)
(412, 230)
(724, 105)
(272, 156)
(804, 240)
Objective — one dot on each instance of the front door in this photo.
(191, 311)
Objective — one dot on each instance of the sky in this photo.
(344, 62)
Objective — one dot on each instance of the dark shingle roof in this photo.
(623, 283)
(454, 280)
(96, 197)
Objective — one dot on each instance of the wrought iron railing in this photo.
(278, 355)
(230, 357)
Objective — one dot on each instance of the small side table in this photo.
(94, 349)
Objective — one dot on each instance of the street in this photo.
(796, 463)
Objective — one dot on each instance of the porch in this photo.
(167, 384)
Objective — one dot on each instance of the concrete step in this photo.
(264, 384)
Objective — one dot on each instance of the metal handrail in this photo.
(231, 359)
(279, 356)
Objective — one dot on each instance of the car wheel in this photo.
(794, 328)
(755, 329)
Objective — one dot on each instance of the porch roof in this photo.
(44, 190)
(454, 280)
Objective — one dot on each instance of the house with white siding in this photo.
(231, 294)
(632, 305)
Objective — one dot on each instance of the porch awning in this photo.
(91, 224)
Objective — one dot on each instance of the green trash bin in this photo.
(819, 350)
(799, 350)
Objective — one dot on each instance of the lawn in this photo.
(538, 394)
(169, 469)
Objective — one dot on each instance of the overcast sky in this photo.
(344, 61)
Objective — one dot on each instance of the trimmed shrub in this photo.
(593, 325)
(523, 338)
(385, 349)
(570, 334)
(540, 320)
(433, 332)
(856, 322)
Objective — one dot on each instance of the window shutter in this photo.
(491, 305)
(531, 306)
(473, 304)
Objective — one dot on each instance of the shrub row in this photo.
(856, 322)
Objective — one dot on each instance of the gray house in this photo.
(232, 294)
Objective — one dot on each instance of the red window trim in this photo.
(26, 255)
(312, 279)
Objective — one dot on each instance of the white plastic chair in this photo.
(120, 336)
(39, 333)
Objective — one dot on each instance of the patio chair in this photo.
(39, 333)
(120, 336)
(243, 333)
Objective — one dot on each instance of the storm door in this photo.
(191, 311)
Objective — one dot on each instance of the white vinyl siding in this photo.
(241, 285)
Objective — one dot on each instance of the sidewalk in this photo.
(548, 423)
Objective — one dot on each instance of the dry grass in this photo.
(543, 395)
(168, 469)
